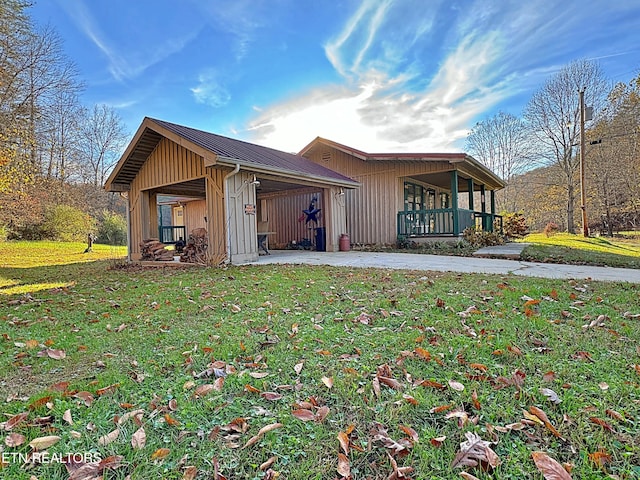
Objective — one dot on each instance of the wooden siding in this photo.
(241, 194)
(171, 164)
(283, 214)
(215, 220)
(194, 215)
(372, 209)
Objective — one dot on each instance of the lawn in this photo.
(576, 249)
(300, 372)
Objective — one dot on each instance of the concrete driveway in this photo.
(413, 261)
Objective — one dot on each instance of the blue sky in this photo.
(377, 75)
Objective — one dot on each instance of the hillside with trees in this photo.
(538, 155)
(55, 152)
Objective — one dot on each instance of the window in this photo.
(417, 197)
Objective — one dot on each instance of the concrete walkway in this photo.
(438, 263)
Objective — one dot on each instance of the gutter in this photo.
(226, 208)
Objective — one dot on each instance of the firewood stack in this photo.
(197, 247)
(154, 250)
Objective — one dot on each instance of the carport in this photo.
(231, 188)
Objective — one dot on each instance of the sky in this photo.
(376, 75)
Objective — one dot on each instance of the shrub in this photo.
(551, 229)
(480, 238)
(514, 225)
(66, 224)
(113, 229)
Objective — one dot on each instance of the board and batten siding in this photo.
(242, 219)
(372, 209)
(169, 164)
(282, 213)
(194, 215)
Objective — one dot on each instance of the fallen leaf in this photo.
(298, 367)
(14, 439)
(344, 441)
(457, 386)
(438, 441)
(66, 416)
(256, 438)
(190, 473)
(602, 423)
(271, 396)
(328, 381)
(172, 422)
(56, 354)
(160, 453)
(304, 415)
(203, 390)
(551, 395)
(139, 439)
(475, 451)
(422, 353)
(109, 437)
(264, 466)
(390, 382)
(468, 476)
(600, 458)
(15, 420)
(321, 414)
(344, 467)
(42, 443)
(550, 468)
(258, 374)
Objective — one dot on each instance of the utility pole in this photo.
(583, 193)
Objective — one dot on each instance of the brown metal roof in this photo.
(219, 150)
(459, 161)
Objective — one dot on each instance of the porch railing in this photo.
(171, 234)
(443, 221)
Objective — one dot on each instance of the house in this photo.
(420, 196)
(177, 179)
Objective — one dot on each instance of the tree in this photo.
(103, 137)
(613, 162)
(554, 118)
(502, 143)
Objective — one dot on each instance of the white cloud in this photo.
(125, 63)
(210, 91)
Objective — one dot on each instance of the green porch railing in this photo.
(424, 223)
(171, 234)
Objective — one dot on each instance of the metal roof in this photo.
(217, 149)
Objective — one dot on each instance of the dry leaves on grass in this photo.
(475, 452)
(550, 468)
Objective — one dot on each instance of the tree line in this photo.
(537, 153)
(55, 152)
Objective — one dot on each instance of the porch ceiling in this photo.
(192, 188)
(443, 180)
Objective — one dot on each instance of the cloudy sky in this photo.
(377, 75)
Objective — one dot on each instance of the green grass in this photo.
(576, 249)
(148, 331)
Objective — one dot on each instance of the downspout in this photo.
(227, 210)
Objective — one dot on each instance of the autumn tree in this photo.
(553, 115)
(102, 138)
(502, 143)
(613, 159)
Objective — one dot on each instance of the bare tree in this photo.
(103, 137)
(554, 117)
(502, 143)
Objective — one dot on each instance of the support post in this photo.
(471, 188)
(583, 193)
(454, 202)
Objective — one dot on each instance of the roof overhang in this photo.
(466, 164)
(151, 132)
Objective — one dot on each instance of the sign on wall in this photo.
(249, 209)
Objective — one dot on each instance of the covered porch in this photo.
(445, 204)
